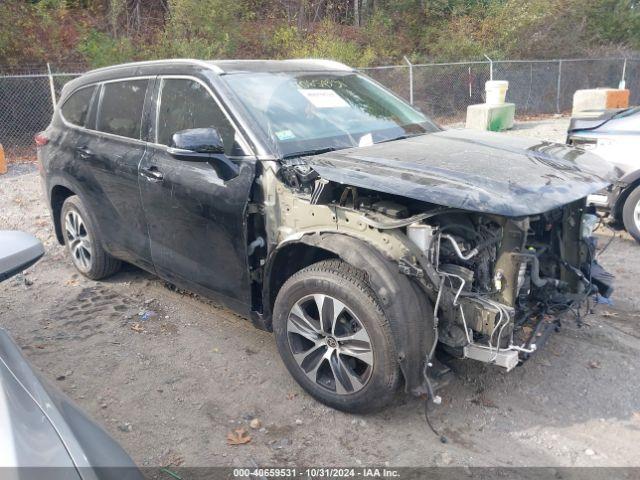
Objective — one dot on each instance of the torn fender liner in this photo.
(405, 305)
(475, 171)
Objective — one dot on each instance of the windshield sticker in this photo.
(285, 135)
(365, 140)
(323, 98)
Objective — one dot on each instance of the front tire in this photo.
(83, 242)
(335, 339)
(631, 214)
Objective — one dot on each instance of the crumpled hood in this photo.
(471, 170)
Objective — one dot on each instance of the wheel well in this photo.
(289, 260)
(617, 213)
(58, 195)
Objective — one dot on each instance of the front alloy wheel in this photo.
(330, 344)
(335, 339)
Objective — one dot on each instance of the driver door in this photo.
(196, 218)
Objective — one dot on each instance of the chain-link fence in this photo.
(442, 90)
(538, 87)
(26, 105)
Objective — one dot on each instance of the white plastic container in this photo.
(496, 91)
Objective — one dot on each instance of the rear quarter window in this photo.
(75, 108)
(121, 108)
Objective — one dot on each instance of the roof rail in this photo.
(322, 62)
(193, 61)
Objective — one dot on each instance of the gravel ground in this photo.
(171, 387)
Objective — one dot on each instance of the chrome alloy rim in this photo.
(636, 214)
(79, 240)
(330, 344)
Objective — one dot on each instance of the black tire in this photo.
(341, 283)
(99, 264)
(631, 214)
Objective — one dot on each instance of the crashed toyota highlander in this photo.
(313, 201)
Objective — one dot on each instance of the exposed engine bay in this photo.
(498, 285)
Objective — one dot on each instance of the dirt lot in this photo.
(170, 388)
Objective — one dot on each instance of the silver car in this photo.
(614, 135)
(43, 434)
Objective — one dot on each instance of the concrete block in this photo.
(599, 99)
(491, 117)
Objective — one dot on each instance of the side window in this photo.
(186, 104)
(76, 107)
(121, 108)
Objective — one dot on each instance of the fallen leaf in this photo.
(291, 396)
(609, 314)
(136, 327)
(238, 437)
(594, 364)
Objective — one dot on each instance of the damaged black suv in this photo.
(308, 198)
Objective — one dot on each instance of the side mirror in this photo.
(203, 145)
(18, 251)
(198, 140)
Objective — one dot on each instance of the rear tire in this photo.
(346, 360)
(83, 242)
(631, 214)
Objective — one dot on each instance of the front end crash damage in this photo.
(480, 285)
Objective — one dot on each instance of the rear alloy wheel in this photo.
(83, 242)
(631, 214)
(335, 339)
(79, 240)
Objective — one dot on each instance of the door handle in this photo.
(152, 174)
(84, 152)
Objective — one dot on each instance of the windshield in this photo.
(306, 112)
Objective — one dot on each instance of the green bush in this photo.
(324, 42)
(201, 28)
(100, 49)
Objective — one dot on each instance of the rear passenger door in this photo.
(196, 217)
(115, 151)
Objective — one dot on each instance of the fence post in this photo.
(490, 67)
(51, 86)
(410, 79)
(558, 86)
(623, 82)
